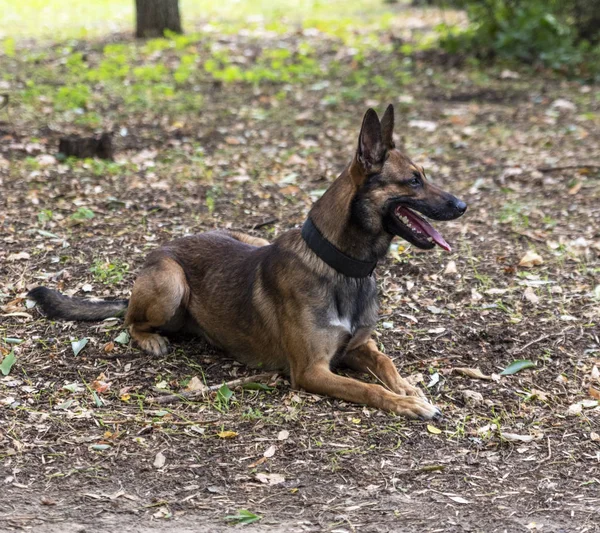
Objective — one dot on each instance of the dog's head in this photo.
(391, 189)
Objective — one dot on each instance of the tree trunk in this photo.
(153, 17)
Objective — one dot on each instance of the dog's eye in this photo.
(415, 181)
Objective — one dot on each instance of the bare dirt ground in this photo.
(85, 448)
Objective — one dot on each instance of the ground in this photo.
(244, 128)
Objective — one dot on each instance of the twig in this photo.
(567, 167)
(186, 395)
(541, 338)
(265, 223)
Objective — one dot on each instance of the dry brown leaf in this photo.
(257, 462)
(109, 347)
(472, 397)
(195, 384)
(451, 268)
(474, 373)
(18, 257)
(530, 259)
(575, 189)
(594, 393)
(99, 385)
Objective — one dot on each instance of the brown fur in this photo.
(279, 306)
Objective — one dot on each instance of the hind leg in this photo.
(158, 302)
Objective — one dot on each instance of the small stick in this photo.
(265, 223)
(186, 395)
(543, 337)
(568, 167)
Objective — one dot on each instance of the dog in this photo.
(305, 304)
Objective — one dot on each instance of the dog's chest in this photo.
(353, 306)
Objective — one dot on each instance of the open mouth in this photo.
(420, 230)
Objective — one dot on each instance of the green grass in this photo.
(59, 20)
(109, 272)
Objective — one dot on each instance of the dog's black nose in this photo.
(460, 206)
(457, 206)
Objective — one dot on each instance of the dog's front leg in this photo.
(319, 379)
(368, 359)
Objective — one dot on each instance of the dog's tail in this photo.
(56, 305)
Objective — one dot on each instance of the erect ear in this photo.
(371, 150)
(387, 128)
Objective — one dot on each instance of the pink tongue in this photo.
(424, 226)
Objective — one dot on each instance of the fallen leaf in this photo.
(159, 460)
(495, 291)
(435, 310)
(458, 499)
(541, 395)
(7, 363)
(575, 189)
(227, 434)
(99, 385)
(434, 380)
(243, 516)
(514, 437)
(79, 345)
(530, 259)
(196, 384)
(517, 366)
(451, 268)
(531, 296)
(426, 125)
(109, 347)
(270, 479)
(270, 451)
(475, 296)
(122, 338)
(474, 373)
(594, 393)
(433, 429)
(283, 434)
(17, 257)
(472, 397)
(534, 525)
(562, 103)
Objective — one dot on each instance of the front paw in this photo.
(404, 388)
(418, 408)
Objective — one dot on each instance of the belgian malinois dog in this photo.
(305, 304)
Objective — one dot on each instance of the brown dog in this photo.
(305, 304)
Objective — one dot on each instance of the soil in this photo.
(83, 446)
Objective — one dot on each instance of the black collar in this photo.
(336, 259)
